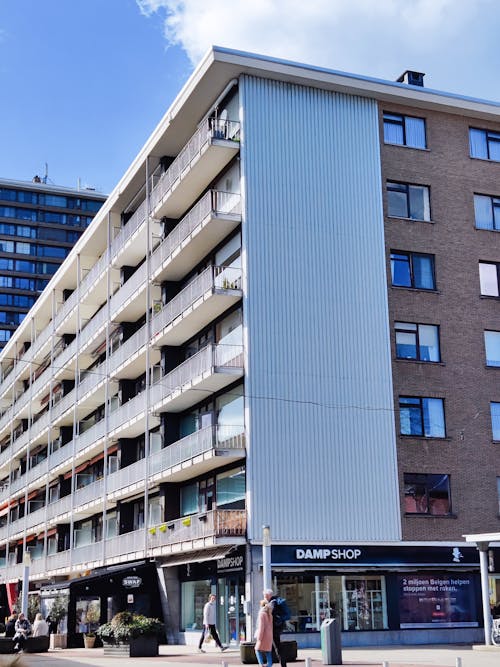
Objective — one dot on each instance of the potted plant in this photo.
(131, 635)
(58, 612)
(92, 615)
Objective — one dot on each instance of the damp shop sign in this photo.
(131, 582)
(230, 564)
(322, 554)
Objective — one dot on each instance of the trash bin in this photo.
(331, 651)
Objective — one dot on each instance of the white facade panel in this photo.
(322, 452)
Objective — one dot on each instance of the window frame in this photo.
(496, 363)
(425, 480)
(390, 187)
(494, 206)
(411, 255)
(487, 137)
(416, 331)
(418, 403)
(497, 267)
(401, 122)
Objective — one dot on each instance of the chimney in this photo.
(412, 78)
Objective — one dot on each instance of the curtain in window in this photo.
(477, 141)
(423, 272)
(415, 132)
(483, 212)
(393, 133)
(434, 417)
(495, 420)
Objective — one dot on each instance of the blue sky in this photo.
(84, 82)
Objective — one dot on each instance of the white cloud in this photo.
(372, 37)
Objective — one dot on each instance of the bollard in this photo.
(385, 664)
(308, 662)
(223, 664)
(458, 662)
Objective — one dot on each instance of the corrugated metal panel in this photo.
(321, 454)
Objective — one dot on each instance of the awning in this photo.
(198, 556)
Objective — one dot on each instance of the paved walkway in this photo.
(182, 656)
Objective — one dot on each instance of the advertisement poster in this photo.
(435, 601)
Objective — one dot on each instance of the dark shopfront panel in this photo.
(225, 577)
(432, 588)
(96, 598)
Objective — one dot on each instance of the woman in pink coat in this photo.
(264, 635)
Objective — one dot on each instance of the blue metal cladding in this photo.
(321, 449)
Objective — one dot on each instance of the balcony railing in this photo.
(203, 362)
(209, 130)
(126, 232)
(213, 202)
(215, 523)
(213, 277)
(134, 285)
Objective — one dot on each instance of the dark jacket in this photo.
(10, 628)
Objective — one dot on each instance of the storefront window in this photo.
(359, 601)
(88, 613)
(194, 596)
(364, 603)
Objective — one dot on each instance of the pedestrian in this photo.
(281, 614)
(40, 627)
(23, 631)
(209, 615)
(10, 626)
(264, 635)
(52, 625)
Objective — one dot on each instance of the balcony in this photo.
(209, 370)
(199, 303)
(129, 245)
(204, 227)
(209, 150)
(129, 302)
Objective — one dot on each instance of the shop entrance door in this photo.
(231, 616)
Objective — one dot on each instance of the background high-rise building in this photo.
(39, 224)
(286, 313)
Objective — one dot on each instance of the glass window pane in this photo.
(419, 203)
(428, 342)
(231, 488)
(393, 129)
(400, 270)
(494, 149)
(477, 141)
(410, 416)
(492, 345)
(397, 203)
(189, 499)
(415, 132)
(406, 345)
(488, 279)
(495, 420)
(483, 211)
(423, 272)
(433, 417)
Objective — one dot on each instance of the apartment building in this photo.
(39, 224)
(285, 315)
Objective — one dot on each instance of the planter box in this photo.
(58, 641)
(140, 647)
(248, 657)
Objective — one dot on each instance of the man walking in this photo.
(209, 616)
(279, 618)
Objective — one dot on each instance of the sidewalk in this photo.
(182, 656)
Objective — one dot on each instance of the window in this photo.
(495, 420)
(492, 346)
(487, 212)
(427, 494)
(498, 493)
(484, 144)
(6, 246)
(408, 201)
(422, 417)
(410, 269)
(489, 278)
(231, 489)
(417, 341)
(404, 130)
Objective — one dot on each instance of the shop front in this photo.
(225, 578)
(94, 599)
(380, 594)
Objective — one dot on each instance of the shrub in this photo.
(126, 625)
